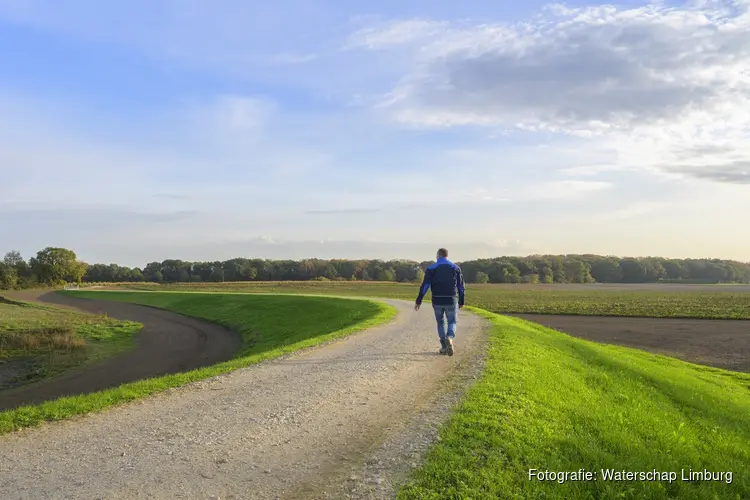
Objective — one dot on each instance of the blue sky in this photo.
(144, 130)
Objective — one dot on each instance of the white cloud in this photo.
(649, 82)
(388, 35)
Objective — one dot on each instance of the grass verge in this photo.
(551, 402)
(521, 299)
(270, 326)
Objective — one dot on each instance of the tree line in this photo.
(54, 266)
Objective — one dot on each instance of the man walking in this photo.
(446, 281)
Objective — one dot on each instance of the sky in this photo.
(136, 131)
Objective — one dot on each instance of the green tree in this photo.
(77, 271)
(606, 271)
(481, 277)
(8, 277)
(577, 271)
(633, 270)
(13, 259)
(386, 274)
(510, 273)
(250, 273)
(56, 265)
(675, 270)
(531, 278)
(330, 272)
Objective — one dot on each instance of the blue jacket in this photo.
(446, 281)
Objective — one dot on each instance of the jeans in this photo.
(449, 312)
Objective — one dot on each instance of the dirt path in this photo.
(168, 343)
(342, 420)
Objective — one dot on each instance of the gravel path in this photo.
(347, 419)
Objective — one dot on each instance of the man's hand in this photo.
(460, 307)
(416, 307)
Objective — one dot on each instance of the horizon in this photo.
(391, 259)
(135, 129)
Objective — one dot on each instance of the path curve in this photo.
(168, 343)
(342, 420)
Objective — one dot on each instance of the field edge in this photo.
(68, 407)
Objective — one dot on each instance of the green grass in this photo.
(56, 340)
(524, 299)
(549, 401)
(270, 326)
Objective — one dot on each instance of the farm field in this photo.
(654, 301)
(38, 341)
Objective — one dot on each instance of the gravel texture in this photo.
(346, 419)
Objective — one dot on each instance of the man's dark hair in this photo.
(443, 252)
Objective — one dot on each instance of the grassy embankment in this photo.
(38, 341)
(270, 326)
(549, 401)
(656, 303)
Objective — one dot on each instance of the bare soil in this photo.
(719, 343)
(168, 343)
(621, 287)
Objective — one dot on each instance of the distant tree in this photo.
(57, 265)
(13, 259)
(54, 265)
(481, 277)
(633, 270)
(558, 271)
(77, 271)
(215, 273)
(360, 273)
(385, 274)
(419, 275)
(8, 277)
(675, 270)
(511, 274)
(531, 278)
(526, 267)
(405, 270)
(606, 271)
(654, 270)
(577, 271)
(330, 272)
